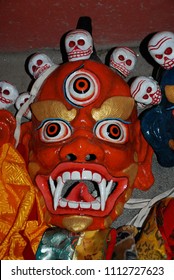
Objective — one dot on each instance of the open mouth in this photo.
(73, 188)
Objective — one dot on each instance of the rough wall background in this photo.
(26, 25)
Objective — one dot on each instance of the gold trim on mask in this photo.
(52, 109)
(77, 223)
(169, 91)
(114, 107)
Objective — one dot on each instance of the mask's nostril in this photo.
(71, 157)
(90, 157)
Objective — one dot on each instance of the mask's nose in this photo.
(82, 149)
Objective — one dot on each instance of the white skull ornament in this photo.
(22, 98)
(78, 45)
(8, 94)
(123, 59)
(38, 64)
(145, 91)
(161, 48)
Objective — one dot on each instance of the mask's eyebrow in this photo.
(117, 107)
(52, 109)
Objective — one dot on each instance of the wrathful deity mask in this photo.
(83, 147)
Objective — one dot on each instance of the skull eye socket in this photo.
(159, 56)
(128, 62)
(81, 42)
(34, 68)
(149, 89)
(54, 131)
(168, 51)
(121, 57)
(146, 96)
(6, 92)
(81, 88)
(39, 62)
(71, 44)
(112, 131)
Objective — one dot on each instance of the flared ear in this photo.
(7, 127)
(145, 178)
(25, 136)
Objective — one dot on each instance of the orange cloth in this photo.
(18, 230)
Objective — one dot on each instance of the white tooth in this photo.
(73, 204)
(52, 186)
(58, 191)
(96, 177)
(95, 205)
(102, 188)
(85, 205)
(63, 202)
(66, 176)
(108, 188)
(87, 175)
(75, 175)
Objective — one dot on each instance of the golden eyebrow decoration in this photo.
(52, 109)
(119, 107)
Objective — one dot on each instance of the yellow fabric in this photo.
(17, 199)
(151, 245)
(92, 245)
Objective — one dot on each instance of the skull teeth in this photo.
(57, 188)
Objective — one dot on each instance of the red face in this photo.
(85, 149)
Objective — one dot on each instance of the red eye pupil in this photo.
(149, 89)
(53, 129)
(81, 42)
(145, 96)
(71, 44)
(113, 131)
(121, 57)
(159, 56)
(39, 62)
(168, 51)
(6, 92)
(34, 68)
(128, 62)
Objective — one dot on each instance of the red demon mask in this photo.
(84, 148)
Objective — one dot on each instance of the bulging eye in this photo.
(81, 88)
(54, 131)
(112, 131)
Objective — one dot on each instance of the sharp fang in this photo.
(102, 188)
(52, 186)
(108, 188)
(57, 193)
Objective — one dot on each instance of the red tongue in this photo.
(80, 193)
